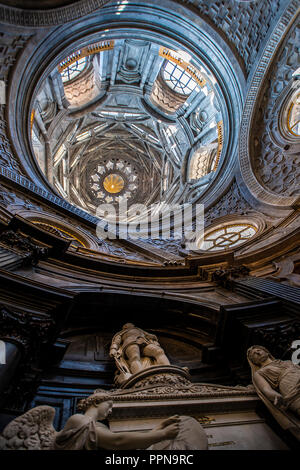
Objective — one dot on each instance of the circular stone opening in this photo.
(134, 114)
(228, 236)
(113, 183)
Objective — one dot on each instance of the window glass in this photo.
(178, 79)
(227, 237)
(73, 70)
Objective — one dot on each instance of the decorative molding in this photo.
(12, 198)
(164, 250)
(115, 250)
(157, 375)
(286, 267)
(59, 232)
(62, 227)
(10, 45)
(256, 84)
(6, 197)
(162, 379)
(112, 248)
(40, 18)
(176, 391)
(25, 183)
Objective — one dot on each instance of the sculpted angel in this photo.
(88, 432)
(34, 431)
(278, 385)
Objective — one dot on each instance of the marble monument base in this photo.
(158, 375)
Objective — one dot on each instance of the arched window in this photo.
(178, 79)
(74, 69)
(62, 233)
(228, 236)
(293, 115)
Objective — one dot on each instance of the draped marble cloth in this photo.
(282, 376)
(191, 436)
(83, 436)
(80, 437)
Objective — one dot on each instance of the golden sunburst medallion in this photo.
(113, 183)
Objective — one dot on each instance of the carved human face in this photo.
(104, 409)
(258, 356)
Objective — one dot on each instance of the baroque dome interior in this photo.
(168, 103)
(157, 107)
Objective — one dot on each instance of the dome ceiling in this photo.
(128, 119)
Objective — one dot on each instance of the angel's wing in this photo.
(31, 431)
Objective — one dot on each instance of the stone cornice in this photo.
(42, 18)
(175, 392)
(34, 189)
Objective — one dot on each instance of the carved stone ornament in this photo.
(275, 156)
(244, 23)
(24, 329)
(28, 332)
(13, 198)
(175, 391)
(269, 187)
(162, 379)
(158, 375)
(225, 276)
(232, 17)
(10, 46)
(31, 252)
(278, 338)
(231, 203)
(5, 197)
